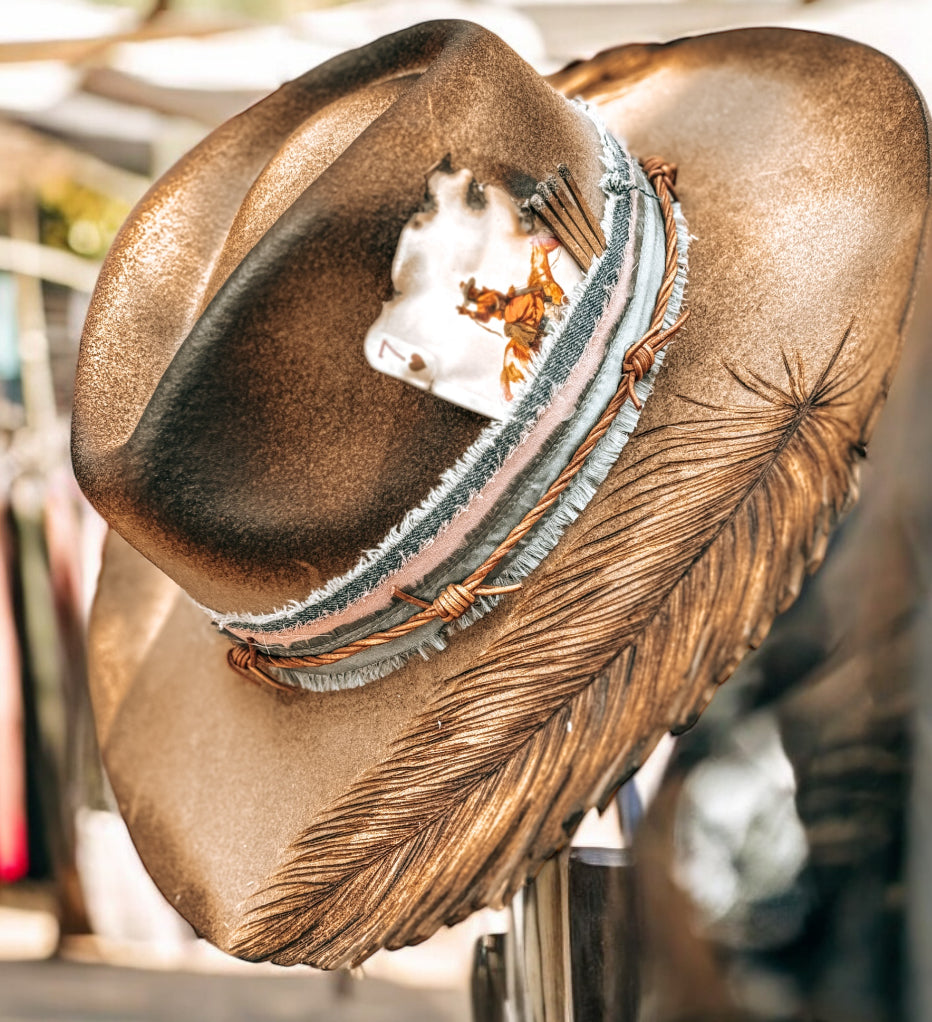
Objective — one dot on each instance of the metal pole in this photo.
(572, 950)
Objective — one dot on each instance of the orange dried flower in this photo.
(523, 311)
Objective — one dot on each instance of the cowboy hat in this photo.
(307, 774)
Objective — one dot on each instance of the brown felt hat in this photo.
(345, 780)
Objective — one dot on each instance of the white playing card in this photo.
(473, 291)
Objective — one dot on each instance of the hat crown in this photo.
(226, 421)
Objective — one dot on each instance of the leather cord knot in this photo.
(657, 168)
(453, 602)
(456, 599)
(640, 359)
(639, 362)
(245, 661)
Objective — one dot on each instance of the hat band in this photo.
(642, 271)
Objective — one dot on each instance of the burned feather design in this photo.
(636, 619)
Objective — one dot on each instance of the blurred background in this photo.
(784, 861)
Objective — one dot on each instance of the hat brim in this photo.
(319, 827)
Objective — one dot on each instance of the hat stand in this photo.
(571, 953)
